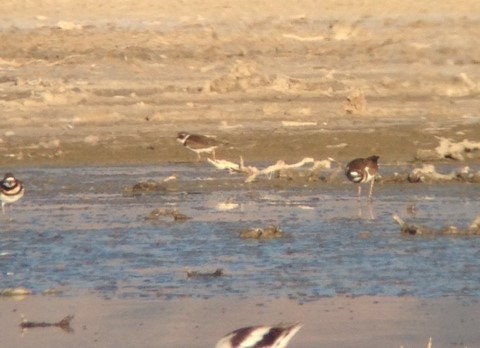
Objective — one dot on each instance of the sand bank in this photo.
(330, 322)
(113, 82)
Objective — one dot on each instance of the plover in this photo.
(198, 143)
(259, 337)
(363, 170)
(11, 190)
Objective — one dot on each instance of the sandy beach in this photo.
(331, 322)
(112, 82)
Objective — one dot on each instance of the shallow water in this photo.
(74, 231)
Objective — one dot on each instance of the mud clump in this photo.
(205, 275)
(415, 230)
(152, 186)
(267, 233)
(144, 187)
(156, 214)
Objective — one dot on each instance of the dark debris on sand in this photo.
(63, 324)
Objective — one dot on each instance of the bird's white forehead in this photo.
(182, 137)
(10, 180)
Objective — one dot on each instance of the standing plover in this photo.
(198, 143)
(11, 190)
(363, 170)
(259, 337)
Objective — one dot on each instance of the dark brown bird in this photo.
(363, 170)
(198, 143)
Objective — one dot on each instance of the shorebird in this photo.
(11, 190)
(259, 337)
(198, 143)
(363, 170)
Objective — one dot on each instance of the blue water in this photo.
(75, 232)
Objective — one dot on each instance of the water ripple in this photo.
(74, 230)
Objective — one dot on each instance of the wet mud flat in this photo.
(81, 230)
(82, 244)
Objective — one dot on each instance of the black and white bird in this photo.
(259, 337)
(363, 170)
(198, 143)
(11, 190)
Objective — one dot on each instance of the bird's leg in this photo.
(359, 191)
(370, 210)
(370, 193)
(3, 208)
